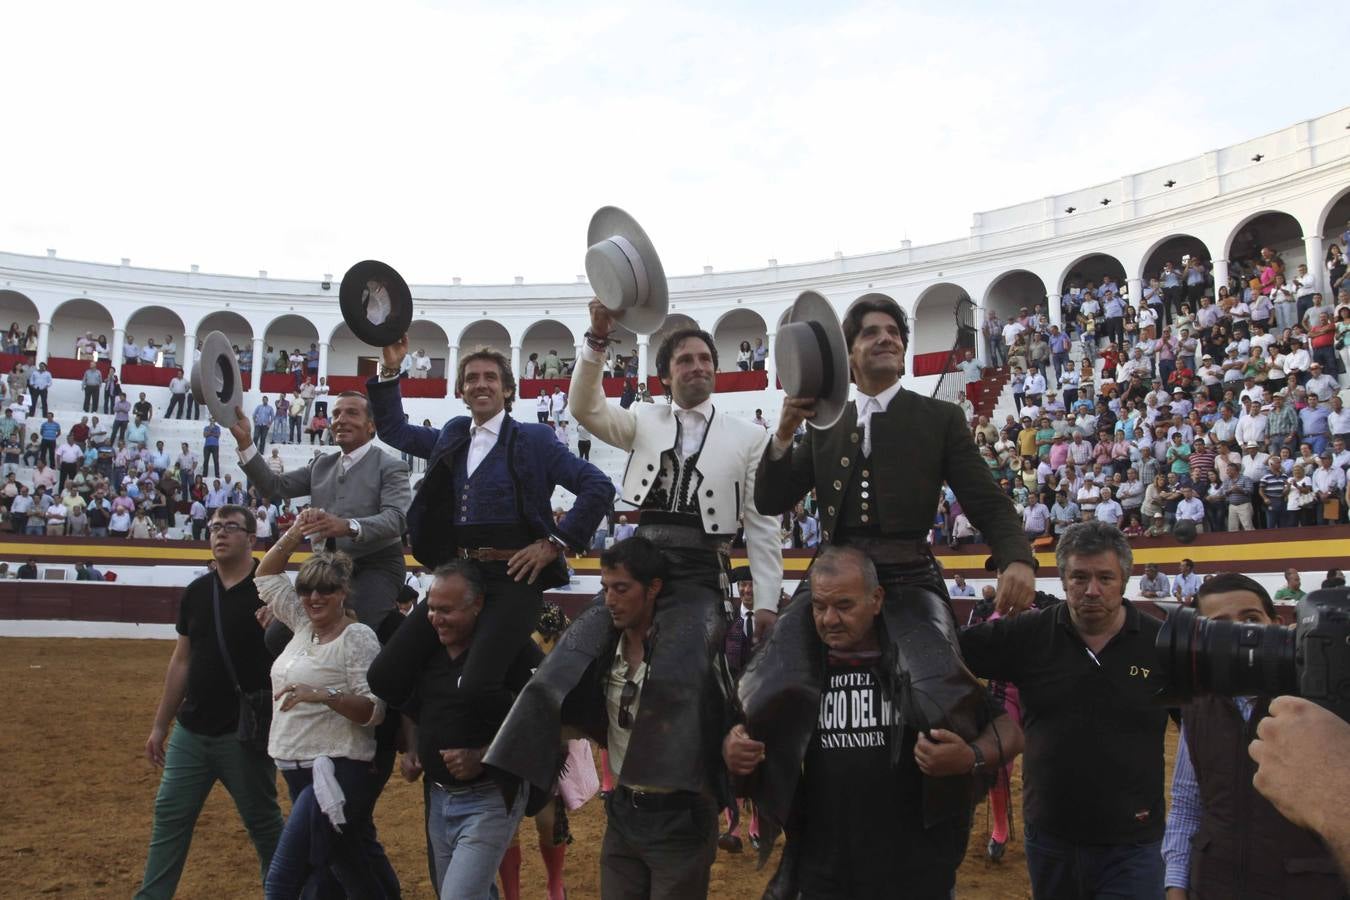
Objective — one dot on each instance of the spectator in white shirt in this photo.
(1035, 518)
(1320, 383)
(1108, 510)
(1191, 508)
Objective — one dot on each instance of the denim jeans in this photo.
(1064, 870)
(309, 842)
(193, 763)
(470, 830)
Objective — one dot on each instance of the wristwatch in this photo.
(978, 765)
(333, 694)
(559, 543)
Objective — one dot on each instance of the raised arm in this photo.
(616, 427)
(785, 473)
(393, 427)
(295, 483)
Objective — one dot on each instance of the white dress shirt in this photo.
(868, 405)
(693, 426)
(482, 438)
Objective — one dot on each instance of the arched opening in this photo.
(735, 327)
(19, 313)
(1334, 223)
(674, 322)
(235, 327)
(933, 328)
(1090, 271)
(72, 321)
(164, 328)
(1177, 249)
(1276, 231)
(484, 333)
(548, 336)
(1012, 292)
(284, 337)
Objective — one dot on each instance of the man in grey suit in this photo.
(364, 495)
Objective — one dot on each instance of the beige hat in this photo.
(215, 378)
(625, 272)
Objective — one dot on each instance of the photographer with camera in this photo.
(1223, 839)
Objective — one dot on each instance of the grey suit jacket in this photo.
(375, 493)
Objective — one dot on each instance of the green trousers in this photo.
(193, 764)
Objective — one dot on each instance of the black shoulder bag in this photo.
(255, 707)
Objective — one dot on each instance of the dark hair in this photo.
(465, 569)
(370, 413)
(1235, 581)
(234, 509)
(1091, 538)
(667, 350)
(745, 345)
(870, 303)
(640, 557)
(503, 366)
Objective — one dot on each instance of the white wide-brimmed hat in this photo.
(215, 379)
(625, 272)
(812, 357)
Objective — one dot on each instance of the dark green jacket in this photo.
(917, 444)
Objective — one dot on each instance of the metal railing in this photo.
(950, 383)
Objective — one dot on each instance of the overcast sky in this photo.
(475, 140)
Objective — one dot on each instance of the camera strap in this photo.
(220, 634)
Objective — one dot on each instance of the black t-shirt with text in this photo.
(862, 833)
(211, 706)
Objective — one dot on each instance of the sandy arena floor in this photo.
(80, 795)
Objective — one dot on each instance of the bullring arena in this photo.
(84, 661)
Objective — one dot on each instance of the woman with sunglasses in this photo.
(323, 723)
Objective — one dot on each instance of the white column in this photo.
(323, 360)
(119, 342)
(515, 360)
(1317, 267)
(451, 368)
(187, 354)
(981, 343)
(909, 348)
(258, 344)
(642, 358)
(44, 337)
(1136, 286)
(769, 367)
(1054, 306)
(1220, 275)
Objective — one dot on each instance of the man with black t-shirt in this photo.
(204, 748)
(420, 671)
(856, 828)
(1093, 774)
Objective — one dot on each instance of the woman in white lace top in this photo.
(323, 720)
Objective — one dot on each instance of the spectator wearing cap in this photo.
(1320, 383)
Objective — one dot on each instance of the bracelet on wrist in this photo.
(597, 342)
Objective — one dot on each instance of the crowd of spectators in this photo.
(1221, 411)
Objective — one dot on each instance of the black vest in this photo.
(1244, 848)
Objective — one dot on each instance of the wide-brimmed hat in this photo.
(376, 303)
(812, 357)
(625, 272)
(215, 379)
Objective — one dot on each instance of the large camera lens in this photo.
(1232, 659)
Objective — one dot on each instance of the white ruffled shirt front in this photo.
(310, 730)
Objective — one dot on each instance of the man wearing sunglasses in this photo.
(615, 675)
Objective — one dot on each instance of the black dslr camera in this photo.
(1311, 659)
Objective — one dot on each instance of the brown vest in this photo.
(1244, 848)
